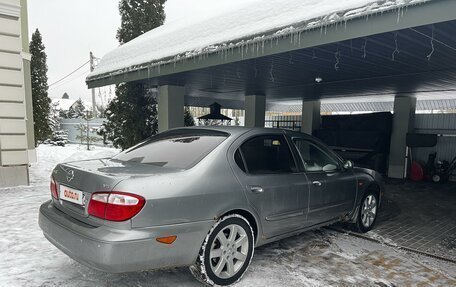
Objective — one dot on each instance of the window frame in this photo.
(290, 148)
(323, 149)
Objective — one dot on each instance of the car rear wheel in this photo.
(367, 214)
(226, 252)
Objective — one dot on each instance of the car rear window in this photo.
(178, 149)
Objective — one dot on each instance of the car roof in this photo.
(238, 130)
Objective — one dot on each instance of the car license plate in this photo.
(71, 195)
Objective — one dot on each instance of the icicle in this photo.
(432, 45)
(271, 72)
(364, 48)
(299, 39)
(337, 56)
(398, 15)
(262, 46)
(345, 25)
(396, 50)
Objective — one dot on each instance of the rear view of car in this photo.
(103, 211)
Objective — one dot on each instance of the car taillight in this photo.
(53, 187)
(115, 206)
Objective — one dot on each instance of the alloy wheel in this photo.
(228, 251)
(369, 211)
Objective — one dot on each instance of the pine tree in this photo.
(40, 99)
(59, 137)
(132, 115)
(139, 17)
(77, 110)
(86, 132)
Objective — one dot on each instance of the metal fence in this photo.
(284, 122)
(444, 124)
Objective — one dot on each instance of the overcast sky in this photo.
(71, 29)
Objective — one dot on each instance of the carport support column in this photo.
(170, 107)
(403, 123)
(255, 110)
(311, 118)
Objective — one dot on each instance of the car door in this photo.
(332, 188)
(267, 171)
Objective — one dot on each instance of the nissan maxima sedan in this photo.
(203, 198)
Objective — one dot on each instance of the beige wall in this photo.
(13, 130)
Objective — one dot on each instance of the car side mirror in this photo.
(348, 164)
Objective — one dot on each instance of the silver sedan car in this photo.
(204, 198)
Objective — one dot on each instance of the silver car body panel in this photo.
(114, 250)
(187, 203)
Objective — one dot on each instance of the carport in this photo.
(397, 53)
(404, 50)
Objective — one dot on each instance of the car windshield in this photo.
(178, 149)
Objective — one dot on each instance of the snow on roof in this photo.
(65, 104)
(252, 22)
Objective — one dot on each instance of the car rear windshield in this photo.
(177, 149)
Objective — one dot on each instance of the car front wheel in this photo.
(367, 212)
(226, 252)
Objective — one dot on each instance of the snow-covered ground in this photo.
(317, 258)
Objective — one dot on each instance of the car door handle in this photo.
(256, 189)
(317, 183)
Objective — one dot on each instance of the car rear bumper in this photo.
(117, 251)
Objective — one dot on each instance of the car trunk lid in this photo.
(89, 176)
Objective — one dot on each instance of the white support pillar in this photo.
(255, 110)
(403, 123)
(311, 118)
(170, 107)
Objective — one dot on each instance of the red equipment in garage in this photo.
(436, 171)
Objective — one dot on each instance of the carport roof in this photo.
(371, 50)
(251, 24)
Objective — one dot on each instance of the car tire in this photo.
(368, 211)
(226, 252)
